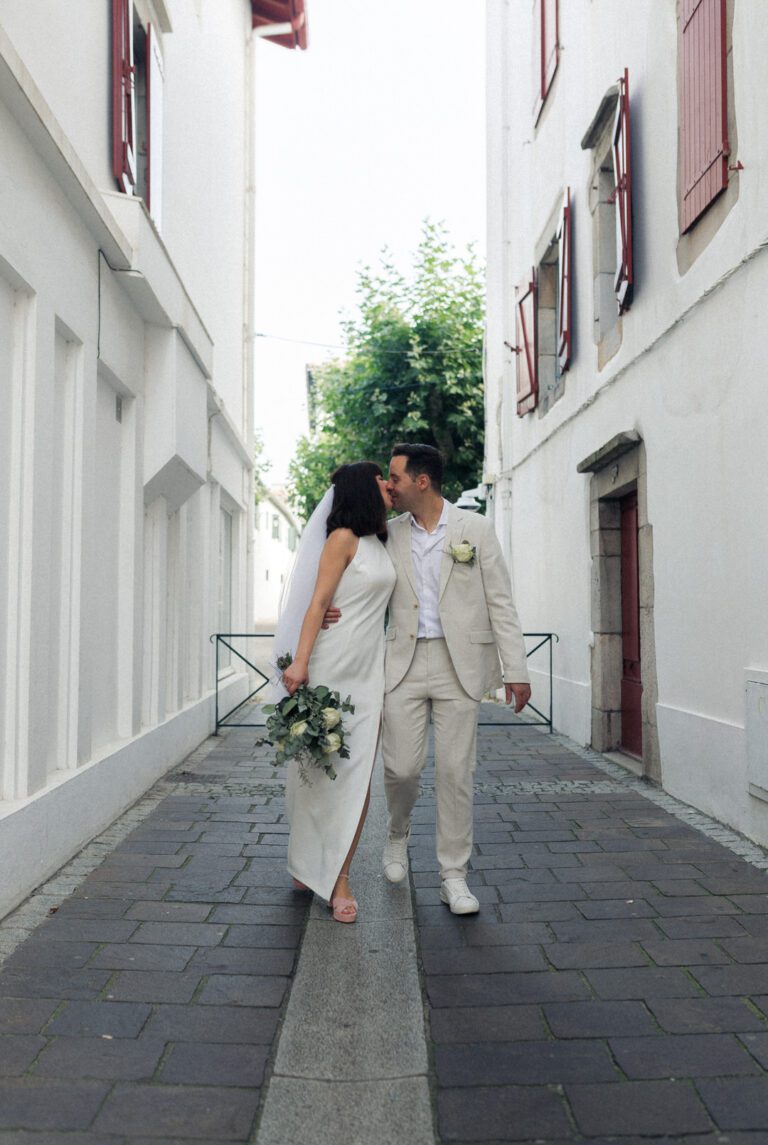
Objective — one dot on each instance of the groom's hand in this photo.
(521, 694)
(332, 616)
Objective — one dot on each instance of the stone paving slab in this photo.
(613, 987)
(306, 1112)
(141, 989)
(612, 990)
(353, 1044)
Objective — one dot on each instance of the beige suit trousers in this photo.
(431, 687)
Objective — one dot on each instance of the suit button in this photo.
(415, 606)
(412, 637)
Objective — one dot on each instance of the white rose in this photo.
(332, 744)
(298, 729)
(331, 717)
(280, 745)
(463, 552)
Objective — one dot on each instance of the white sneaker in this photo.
(457, 895)
(396, 858)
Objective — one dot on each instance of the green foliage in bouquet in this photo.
(308, 727)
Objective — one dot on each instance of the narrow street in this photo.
(169, 986)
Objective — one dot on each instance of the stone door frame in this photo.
(619, 468)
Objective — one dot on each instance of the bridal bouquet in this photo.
(308, 727)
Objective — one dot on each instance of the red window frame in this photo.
(293, 12)
(123, 106)
(622, 166)
(564, 334)
(150, 94)
(526, 322)
(546, 50)
(703, 111)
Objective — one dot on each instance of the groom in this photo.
(452, 627)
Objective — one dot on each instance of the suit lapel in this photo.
(402, 538)
(454, 532)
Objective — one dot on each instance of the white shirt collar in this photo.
(442, 521)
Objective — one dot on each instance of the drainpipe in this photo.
(249, 290)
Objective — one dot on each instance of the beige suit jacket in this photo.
(477, 611)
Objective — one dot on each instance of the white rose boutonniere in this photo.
(463, 553)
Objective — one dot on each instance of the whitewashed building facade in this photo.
(276, 540)
(126, 398)
(626, 405)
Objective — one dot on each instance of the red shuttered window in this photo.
(703, 106)
(526, 348)
(564, 285)
(622, 169)
(123, 113)
(546, 50)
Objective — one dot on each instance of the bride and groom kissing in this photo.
(452, 635)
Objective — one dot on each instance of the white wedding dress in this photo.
(348, 657)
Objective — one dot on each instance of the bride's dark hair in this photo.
(357, 501)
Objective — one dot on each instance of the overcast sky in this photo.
(378, 125)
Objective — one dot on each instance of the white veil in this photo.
(300, 585)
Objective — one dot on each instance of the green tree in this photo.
(412, 371)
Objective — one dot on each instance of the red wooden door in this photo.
(631, 677)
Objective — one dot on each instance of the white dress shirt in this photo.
(427, 553)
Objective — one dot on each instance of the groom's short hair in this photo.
(421, 459)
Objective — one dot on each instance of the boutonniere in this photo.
(463, 553)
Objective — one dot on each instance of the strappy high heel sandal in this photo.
(343, 909)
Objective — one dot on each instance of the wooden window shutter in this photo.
(551, 42)
(154, 125)
(622, 167)
(546, 50)
(564, 285)
(526, 348)
(703, 106)
(123, 113)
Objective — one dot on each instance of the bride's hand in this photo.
(294, 676)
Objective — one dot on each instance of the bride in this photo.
(342, 559)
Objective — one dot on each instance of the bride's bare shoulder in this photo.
(341, 540)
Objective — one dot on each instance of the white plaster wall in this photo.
(39, 835)
(108, 590)
(496, 258)
(226, 466)
(204, 175)
(67, 49)
(687, 377)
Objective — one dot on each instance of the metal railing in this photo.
(223, 721)
(222, 641)
(514, 721)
